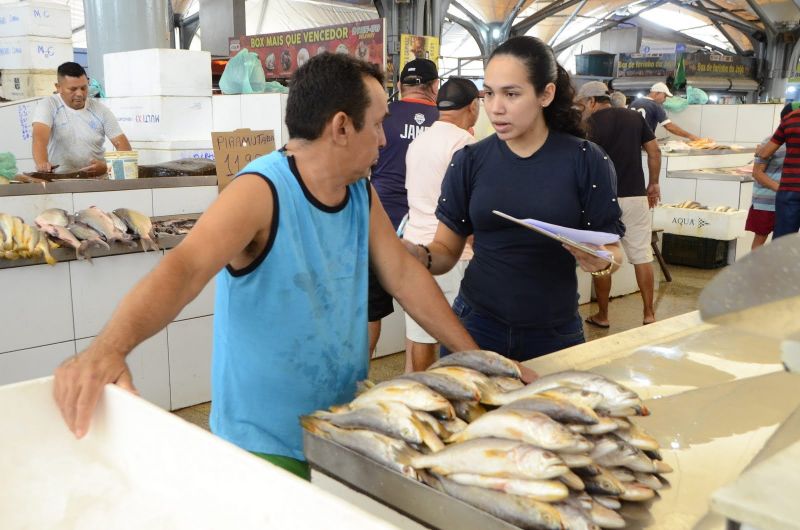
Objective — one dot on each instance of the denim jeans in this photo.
(787, 213)
(514, 342)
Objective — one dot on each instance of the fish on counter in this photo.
(506, 384)
(392, 453)
(561, 410)
(540, 490)
(97, 220)
(482, 384)
(524, 512)
(575, 518)
(140, 225)
(484, 361)
(53, 216)
(446, 385)
(527, 426)
(390, 418)
(494, 457)
(415, 395)
(86, 233)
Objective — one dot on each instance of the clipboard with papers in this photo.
(579, 239)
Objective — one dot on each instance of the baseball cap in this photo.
(456, 93)
(592, 89)
(661, 87)
(418, 72)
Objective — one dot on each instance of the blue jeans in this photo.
(515, 342)
(787, 213)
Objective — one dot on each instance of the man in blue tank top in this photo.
(289, 241)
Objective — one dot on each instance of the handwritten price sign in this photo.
(234, 150)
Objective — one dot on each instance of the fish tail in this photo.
(149, 243)
(314, 425)
(363, 386)
(336, 409)
(429, 438)
(457, 437)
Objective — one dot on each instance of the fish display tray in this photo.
(413, 499)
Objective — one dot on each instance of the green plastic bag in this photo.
(696, 96)
(8, 167)
(676, 104)
(273, 87)
(243, 74)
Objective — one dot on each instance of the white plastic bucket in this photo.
(122, 165)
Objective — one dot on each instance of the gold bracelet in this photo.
(602, 272)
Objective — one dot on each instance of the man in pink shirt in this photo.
(427, 160)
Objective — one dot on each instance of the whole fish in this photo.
(53, 216)
(506, 384)
(575, 460)
(649, 480)
(612, 503)
(139, 224)
(598, 514)
(615, 396)
(86, 233)
(97, 219)
(557, 408)
(603, 483)
(392, 453)
(473, 378)
(604, 445)
(603, 426)
(577, 396)
(523, 512)
(540, 490)
(118, 223)
(390, 418)
(629, 457)
(416, 395)
(638, 438)
(573, 481)
(622, 474)
(62, 235)
(446, 385)
(468, 411)
(437, 426)
(43, 247)
(7, 229)
(635, 492)
(528, 426)
(485, 361)
(495, 458)
(575, 518)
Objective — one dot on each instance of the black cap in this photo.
(419, 72)
(456, 93)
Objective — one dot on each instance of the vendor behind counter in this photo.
(69, 128)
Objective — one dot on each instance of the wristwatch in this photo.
(602, 272)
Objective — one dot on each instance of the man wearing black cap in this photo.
(415, 112)
(427, 161)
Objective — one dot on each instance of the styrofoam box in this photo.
(700, 223)
(169, 73)
(142, 467)
(23, 84)
(252, 111)
(163, 118)
(34, 53)
(16, 133)
(45, 19)
(158, 152)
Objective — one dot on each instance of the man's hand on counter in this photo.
(45, 167)
(79, 383)
(97, 167)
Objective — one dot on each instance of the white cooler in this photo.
(34, 53)
(707, 224)
(163, 118)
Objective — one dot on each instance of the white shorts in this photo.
(638, 229)
(449, 283)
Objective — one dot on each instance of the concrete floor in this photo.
(671, 299)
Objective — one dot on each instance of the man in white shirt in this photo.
(427, 160)
(69, 128)
(651, 108)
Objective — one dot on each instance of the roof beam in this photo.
(728, 36)
(475, 31)
(679, 36)
(741, 26)
(762, 15)
(569, 20)
(556, 6)
(507, 23)
(727, 11)
(614, 23)
(478, 23)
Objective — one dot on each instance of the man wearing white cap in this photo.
(654, 114)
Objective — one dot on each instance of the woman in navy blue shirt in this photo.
(519, 296)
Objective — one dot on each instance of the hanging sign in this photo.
(283, 53)
(729, 66)
(645, 65)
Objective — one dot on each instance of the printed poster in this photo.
(283, 53)
(418, 47)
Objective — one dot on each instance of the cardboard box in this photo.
(142, 467)
(707, 224)
(234, 150)
(34, 53)
(23, 84)
(163, 118)
(43, 19)
(157, 72)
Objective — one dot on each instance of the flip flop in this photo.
(591, 321)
